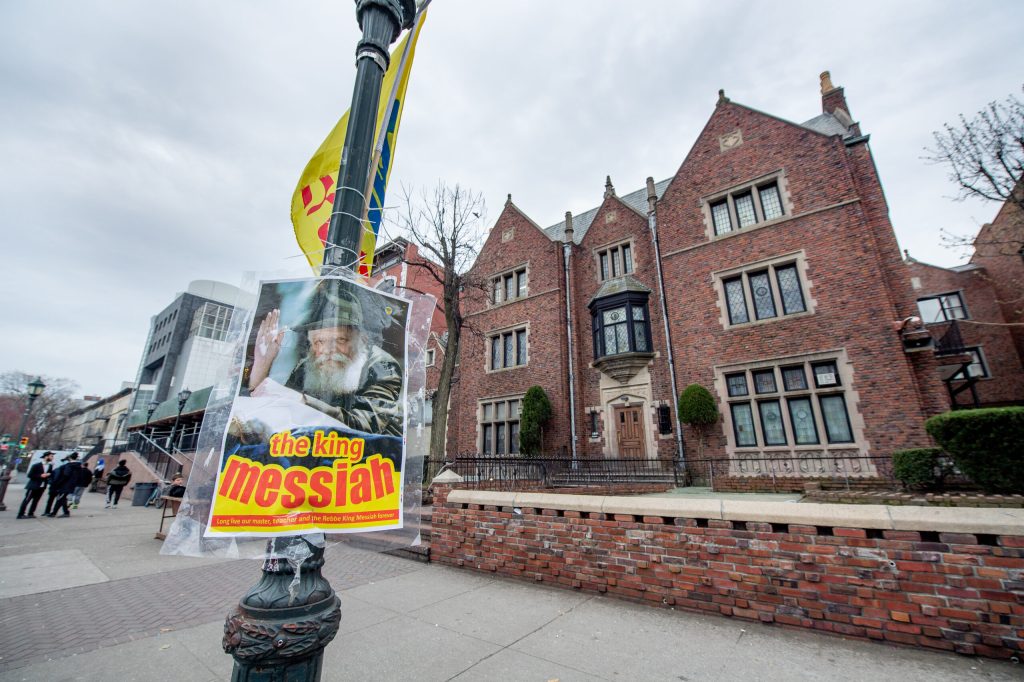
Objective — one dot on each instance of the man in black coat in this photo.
(64, 482)
(38, 477)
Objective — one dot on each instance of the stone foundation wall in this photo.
(950, 579)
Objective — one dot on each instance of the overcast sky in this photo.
(147, 144)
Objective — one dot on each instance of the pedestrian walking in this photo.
(64, 483)
(116, 481)
(84, 481)
(54, 492)
(38, 478)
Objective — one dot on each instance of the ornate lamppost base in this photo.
(281, 626)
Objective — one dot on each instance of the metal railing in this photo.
(516, 472)
(951, 342)
(162, 462)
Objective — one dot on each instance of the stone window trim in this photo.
(844, 387)
(615, 254)
(771, 265)
(499, 334)
(429, 357)
(729, 195)
(507, 421)
(495, 299)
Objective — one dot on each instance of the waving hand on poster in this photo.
(341, 372)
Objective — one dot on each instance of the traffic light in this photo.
(23, 443)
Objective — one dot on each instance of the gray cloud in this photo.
(149, 144)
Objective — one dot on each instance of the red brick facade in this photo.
(979, 326)
(817, 288)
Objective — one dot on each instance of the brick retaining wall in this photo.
(949, 579)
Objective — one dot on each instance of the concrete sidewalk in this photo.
(111, 608)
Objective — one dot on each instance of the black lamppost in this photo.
(279, 630)
(183, 397)
(34, 389)
(150, 409)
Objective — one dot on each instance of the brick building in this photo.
(399, 265)
(975, 312)
(766, 269)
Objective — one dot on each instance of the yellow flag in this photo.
(313, 200)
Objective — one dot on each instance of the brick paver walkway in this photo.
(37, 627)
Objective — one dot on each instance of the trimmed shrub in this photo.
(697, 409)
(987, 445)
(920, 468)
(535, 413)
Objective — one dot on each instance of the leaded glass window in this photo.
(621, 327)
(743, 425)
(521, 282)
(496, 296)
(764, 381)
(771, 202)
(825, 374)
(794, 378)
(521, 347)
(639, 330)
(496, 352)
(789, 290)
(627, 259)
(604, 265)
(745, 210)
(499, 427)
(510, 290)
(771, 422)
(801, 415)
(837, 423)
(737, 384)
(761, 290)
(736, 301)
(720, 217)
(488, 432)
(616, 268)
(509, 350)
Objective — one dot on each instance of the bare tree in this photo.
(49, 412)
(985, 154)
(447, 224)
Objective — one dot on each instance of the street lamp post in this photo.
(282, 624)
(183, 397)
(35, 389)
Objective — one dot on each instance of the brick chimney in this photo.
(832, 98)
(568, 227)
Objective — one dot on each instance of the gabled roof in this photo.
(824, 124)
(581, 223)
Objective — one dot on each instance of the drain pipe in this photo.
(652, 223)
(566, 257)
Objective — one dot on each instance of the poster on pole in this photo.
(315, 437)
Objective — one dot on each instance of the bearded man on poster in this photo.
(340, 372)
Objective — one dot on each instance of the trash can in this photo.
(142, 493)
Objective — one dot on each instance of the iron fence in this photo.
(763, 470)
(517, 472)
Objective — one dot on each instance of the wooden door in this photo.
(629, 425)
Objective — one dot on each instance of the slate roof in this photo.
(581, 223)
(827, 124)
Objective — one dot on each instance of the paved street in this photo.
(90, 598)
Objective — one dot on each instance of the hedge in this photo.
(987, 445)
(920, 467)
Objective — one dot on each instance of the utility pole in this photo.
(280, 628)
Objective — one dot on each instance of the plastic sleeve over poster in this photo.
(315, 438)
